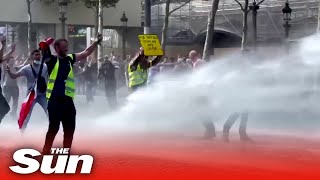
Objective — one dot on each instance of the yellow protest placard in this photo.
(151, 45)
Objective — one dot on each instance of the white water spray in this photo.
(281, 95)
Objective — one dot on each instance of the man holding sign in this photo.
(151, 45)
(139, 65)
(138, 69)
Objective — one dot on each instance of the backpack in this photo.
(41, 82)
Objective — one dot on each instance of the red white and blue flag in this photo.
(25, 107)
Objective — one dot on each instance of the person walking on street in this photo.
(107, 74)
(197, 63)
(10, 86)
(30, 72)
(61, 91)
(88, 77)
(4, 106)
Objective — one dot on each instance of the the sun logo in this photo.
(65, 163)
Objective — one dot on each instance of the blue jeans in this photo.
(42, 100)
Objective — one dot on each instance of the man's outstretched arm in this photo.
(22, 64)
(8, 55)
(89, 50)
(14, 75)
(135, 61)
(147, 64)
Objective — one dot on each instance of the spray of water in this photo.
(280, 94)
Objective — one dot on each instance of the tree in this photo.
(91, 4)
(94, 5)
(208, 50)
(245, 11)
(166, 21)
(100, 30)
(30, 44)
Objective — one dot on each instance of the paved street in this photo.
(156, 156)
(130, 149)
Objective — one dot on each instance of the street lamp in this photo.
(63, 11)
(287, 18)
(254, 7)
(124, 21)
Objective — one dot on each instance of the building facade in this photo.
(187, 26)
(45, 21)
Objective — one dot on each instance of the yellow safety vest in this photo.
(137, 77)
(70, 87)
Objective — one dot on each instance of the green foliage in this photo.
(94, 3)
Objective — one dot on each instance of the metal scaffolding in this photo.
(191, 19)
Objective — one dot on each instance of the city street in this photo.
(160, 89)
(153, 155)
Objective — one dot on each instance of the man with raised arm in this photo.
(61, 91)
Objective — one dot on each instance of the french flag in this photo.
(25, 107)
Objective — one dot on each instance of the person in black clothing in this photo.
(107, 74)
(10, 87)
(89, 78)
(93, 78)
(4, 106)
(60, 106)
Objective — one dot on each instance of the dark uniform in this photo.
(89, 77)
(107, 73)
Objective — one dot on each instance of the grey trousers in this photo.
(42, 100)
(12, 92)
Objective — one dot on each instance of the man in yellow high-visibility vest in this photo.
(138, 69)
(61, 91)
